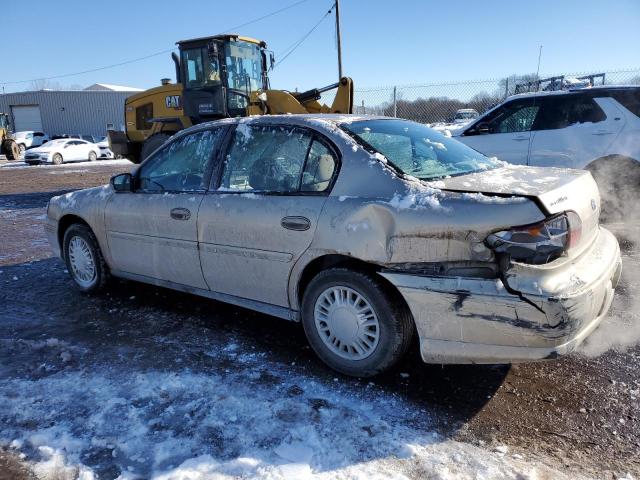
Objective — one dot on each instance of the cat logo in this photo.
(172, 101)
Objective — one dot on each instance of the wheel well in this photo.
(343, 261)
(63, 225)
(594, 165)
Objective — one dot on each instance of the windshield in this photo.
(244, 65)
(466, 115)
(417, 150)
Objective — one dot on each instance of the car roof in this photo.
(573, 91)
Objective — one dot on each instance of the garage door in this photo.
(26, 117)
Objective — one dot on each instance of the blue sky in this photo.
(384, 42)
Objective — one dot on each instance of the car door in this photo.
(505, 132)
(70, 151)
(261, 216)
(82, 150)
(573, 129)
(152, 231)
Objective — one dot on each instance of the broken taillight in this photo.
(538, 243)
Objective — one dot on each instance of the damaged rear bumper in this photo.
(467, 320)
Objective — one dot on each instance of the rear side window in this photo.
(143, 114)
(566, 110)
(629, 99)
(276, 159)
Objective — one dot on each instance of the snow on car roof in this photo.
(571, 90)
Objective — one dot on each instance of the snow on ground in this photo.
(253, 419)
(66, 166)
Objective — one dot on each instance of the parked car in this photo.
(62, 150)
(30, 138)
(105, 150)
(87, 138)
(365, 229)
(595, 128)
(464, 116)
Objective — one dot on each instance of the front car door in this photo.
(573, 129)
(505, 132)
(152, 231)
(262, 214)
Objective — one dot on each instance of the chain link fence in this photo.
(441, 103)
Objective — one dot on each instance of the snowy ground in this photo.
(142, 382)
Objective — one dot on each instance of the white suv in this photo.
(595, 128)
(28, 139)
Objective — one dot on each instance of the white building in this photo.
(86, 112)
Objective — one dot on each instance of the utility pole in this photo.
(337, 4)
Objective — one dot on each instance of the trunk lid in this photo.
(555, 190)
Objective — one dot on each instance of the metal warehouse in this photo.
(86, 112)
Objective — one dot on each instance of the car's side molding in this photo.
(267, 308)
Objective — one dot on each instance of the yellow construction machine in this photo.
(217, 77)
(8, 147)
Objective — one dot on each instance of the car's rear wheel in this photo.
(84, 259)
(354, 324)
(92, 156)
(57, 159)
(618, 180)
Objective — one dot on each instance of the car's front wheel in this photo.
(57, 159)
(92, 156)
(354, 324)
(84, 259)
(23, 148)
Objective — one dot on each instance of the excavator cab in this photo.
(218, 75)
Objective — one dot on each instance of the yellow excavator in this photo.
(217, 77)
(8, 146)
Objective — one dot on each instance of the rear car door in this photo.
(504, 133)
(152, 231)
(573, 129)
(262, 215)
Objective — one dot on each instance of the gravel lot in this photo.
(90, 376)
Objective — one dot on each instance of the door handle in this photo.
(602, 132)
(180, 214)
(299, 224)
(520, 139)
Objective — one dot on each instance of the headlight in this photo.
(540, 242)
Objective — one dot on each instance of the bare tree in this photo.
(44, 84)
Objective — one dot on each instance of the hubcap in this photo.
(346, 323)
(81, 260)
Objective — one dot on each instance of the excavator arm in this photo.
(274, 102)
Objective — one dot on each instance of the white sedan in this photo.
(105, 150)
(63, 150)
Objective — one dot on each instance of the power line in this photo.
(296, 44)
(97, 69)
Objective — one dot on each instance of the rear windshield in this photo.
(417, 150)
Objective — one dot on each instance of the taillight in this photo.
(538, 243)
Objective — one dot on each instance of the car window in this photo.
(180, 166)
(630, 99)
(519, 119)
(563, 111)
(266, 159)
(318, 169)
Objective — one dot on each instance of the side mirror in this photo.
(122, 182)
(66, 146)
(482, 127)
